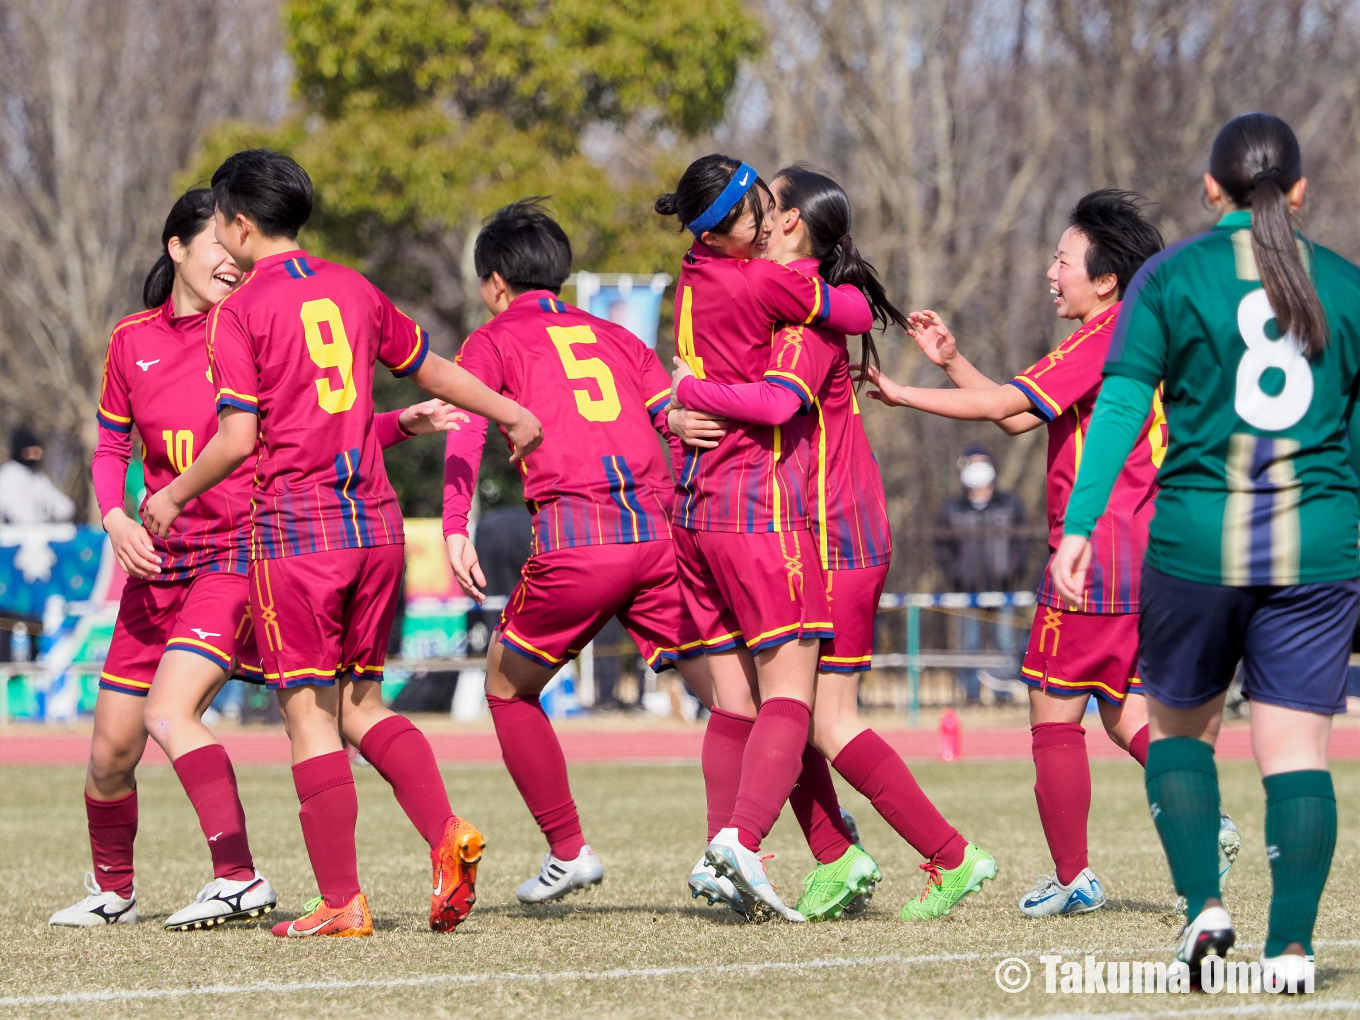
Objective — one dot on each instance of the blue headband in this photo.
(736, 189)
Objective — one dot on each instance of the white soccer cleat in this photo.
(1050, 898)
(559, 877)
(223, 900)
(746, 871)
(1291, 975)
(706, 882)
(97, 909)
(1209, 934)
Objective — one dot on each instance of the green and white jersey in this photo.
(1257, 486)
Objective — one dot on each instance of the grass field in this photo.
(638, 946)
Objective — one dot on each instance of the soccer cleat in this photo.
(944, 888)
(860, 902)
(98, 908)
(558, 877)
(1229, 843)
(746, 871)
(1287, 974)
(1209, 934)
(831, 888)
(455, 874)
(705, 882)
(223, 900)
(341, 922)
(1050, 898)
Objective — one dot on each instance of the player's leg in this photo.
(1294, 672)
(210, 628)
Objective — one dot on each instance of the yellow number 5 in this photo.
(606, 408)
(337, 354)
(179, 447)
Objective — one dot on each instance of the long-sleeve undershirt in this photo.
(760, 403)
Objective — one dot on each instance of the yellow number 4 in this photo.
(179, 447)
(684, 337)
(337, 354)
(606, 407)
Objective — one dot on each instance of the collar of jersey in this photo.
(1236, 219)
(530, 296)
(277, 260)
(185, 326)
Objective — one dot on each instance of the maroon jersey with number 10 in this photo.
(297, 344)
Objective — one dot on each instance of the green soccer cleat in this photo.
(946, 888)
(830, 888)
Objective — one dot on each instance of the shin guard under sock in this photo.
(535, 761)
(330, 809)
(1182, 789)
(1300, 840)
(725, 738)
(770, 767)
(210, 781)
(817, 809)
(1062, 789)
(402, 755)
(113, 828)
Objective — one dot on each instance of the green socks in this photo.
(1300, 838)
(1182, 788)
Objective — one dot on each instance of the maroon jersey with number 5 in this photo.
(297, 343)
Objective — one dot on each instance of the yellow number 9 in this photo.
(337, 354)
(607, 407)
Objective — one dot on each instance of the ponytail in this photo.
(191, 212)
(825, 210)
(1256, 160)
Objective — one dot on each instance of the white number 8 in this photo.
(1254, 405)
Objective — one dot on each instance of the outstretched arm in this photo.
(237, 431)
(442, 378)
(978, 403)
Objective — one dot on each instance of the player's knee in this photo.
(112, 766)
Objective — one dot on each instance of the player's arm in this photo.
(237, 432)
(462, 460)
(131, 544)
(786, 295)
(978, 403)
(442, 378)
(424, 418)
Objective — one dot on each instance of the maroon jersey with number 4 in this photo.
(601, 475)
(297, 344)
(156, 377)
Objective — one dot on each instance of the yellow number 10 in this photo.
(606, 407)
(179, 447)
(337, 354)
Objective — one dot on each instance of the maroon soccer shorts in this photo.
(326, 615)
(208, 614)
(565, 596)
(757, 589)
(1083, 653)
(853, 598)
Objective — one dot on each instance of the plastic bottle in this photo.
(950, 749)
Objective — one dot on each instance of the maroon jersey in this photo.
(156, 377)
(1063, 387)
(726, 311)
(297, 344)
(849, 508)
(601, 476)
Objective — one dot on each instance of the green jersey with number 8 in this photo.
(1257, 487)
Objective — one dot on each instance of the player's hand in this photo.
(467, 571)
(696, 428)
(131, 544)
(432, 415)
(885, 391)
(525, 432)
(160, 512)
(933, 337)
(1069, 567)
(681, 371)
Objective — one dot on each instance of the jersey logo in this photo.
(1052, 625)
(144, 365)
(203, 635)
(745, 178)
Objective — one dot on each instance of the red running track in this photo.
(270, 747)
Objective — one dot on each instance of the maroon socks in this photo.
(113, 827)
(330, 809)
(770, 767)
(725, 739)
(1062, 788)
(1138, 746)
(818, 810)
(534, 758)
(402, 755)
(873, 768)
(210, 782)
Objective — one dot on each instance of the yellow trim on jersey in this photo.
(1079, 684)
(821, 625)
(115, 417)
(1057, 408)
(774, 373)
(816, 302)
(142, 685)
(721, 639)
(197, 644)
(310, 671)
(849, 660)
(653, 399)
(774, 478)
(134, 321)
(821, 489)
(554, 659)
(412, 356)
(239, 396)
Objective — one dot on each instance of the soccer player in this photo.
(184, 615)
(1089, 647)
(600, 491)
(293, 353)
(748, 562)
(1253, 333)
(811, 233)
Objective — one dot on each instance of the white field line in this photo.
(623, 973)
(1203, 1005)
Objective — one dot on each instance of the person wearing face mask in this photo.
(27, 494)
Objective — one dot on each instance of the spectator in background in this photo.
(980, 551)
(27, 495)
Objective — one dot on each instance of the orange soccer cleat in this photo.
(351, 919)
(455, 874)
